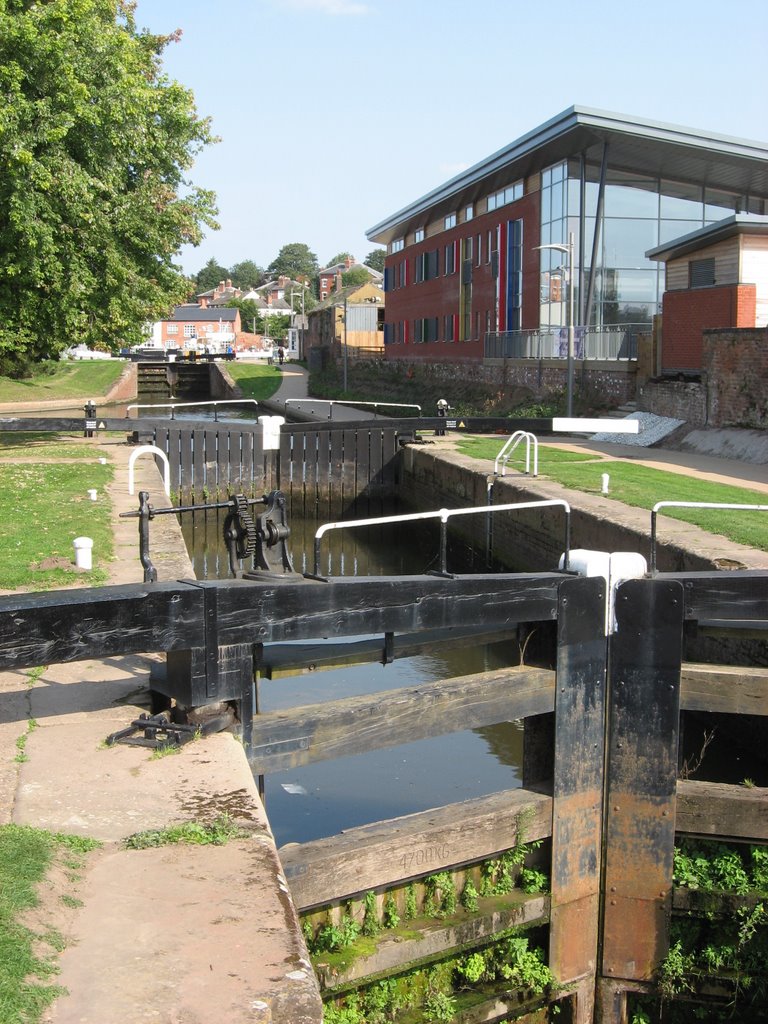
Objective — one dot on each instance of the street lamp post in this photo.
(568, 250)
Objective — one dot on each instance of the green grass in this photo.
(54, 380)
(643, 487)
(256, 380)
(26, 967)
(215, 833)
(16, 444)
(43, 507)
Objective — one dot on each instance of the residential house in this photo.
(350, 319)
(330, 278)
(221, 295)
(200, 328)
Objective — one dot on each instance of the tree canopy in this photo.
(212, 274)
(375, 259)
(294, 260)
(95, 142)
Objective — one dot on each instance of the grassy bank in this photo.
(44, 506)
(255, 380)
(642, 487)
(54, 380)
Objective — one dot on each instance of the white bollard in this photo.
(615, 567)
(271, 436)
(83, 552)
(606, 480)
(92, 493)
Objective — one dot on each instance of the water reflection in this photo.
(324, 798)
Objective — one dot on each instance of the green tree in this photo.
(294, 260)
(95, 142)
(357, 275)
(212, 274)
(246, 274)
(375, 260)
(339, 258)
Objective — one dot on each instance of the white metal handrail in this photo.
(330, 402)
(173, 406)
(444, 514)
(693, 504)
(508, 450)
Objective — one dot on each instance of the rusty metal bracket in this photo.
(159, 733)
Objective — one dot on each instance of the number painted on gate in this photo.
(423, 858)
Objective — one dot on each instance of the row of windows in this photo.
(509, 194)
(437, 328)
(426, 266)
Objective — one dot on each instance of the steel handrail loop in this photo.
(509, 447)
(444, 514)
(173, 406)
(693, 504)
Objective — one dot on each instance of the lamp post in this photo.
(568, 250)
(345, 344)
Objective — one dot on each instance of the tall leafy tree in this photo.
(294, 260)
(340, 257)
(246, 274)
(375, 259)
(212, 274)
(95, 142)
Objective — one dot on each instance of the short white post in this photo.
(93, 493)
(606, 480)
(83, 552)
(271, 432)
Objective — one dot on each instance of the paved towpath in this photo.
(177, 934)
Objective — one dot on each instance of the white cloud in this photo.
(333, 7)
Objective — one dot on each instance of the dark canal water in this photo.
(324, 798)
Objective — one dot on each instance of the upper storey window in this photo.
(505, 195)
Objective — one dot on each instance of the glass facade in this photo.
(638, 213)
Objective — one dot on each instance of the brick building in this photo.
(467, 281)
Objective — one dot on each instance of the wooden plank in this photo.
(578, 778)
(362, 459)
(336, 470)
(376, 462)
(321, 732)
(279, 610)
(717, 809)
(349, 468)
(389, 852)
(736, 596)
(280, 660)
(311, 440)
(72, 625)
(198, 465)
(641, 766)
(726, 689)
(435, 939)
(247, 485)
(286, 467)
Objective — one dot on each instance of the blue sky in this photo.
(334, 114)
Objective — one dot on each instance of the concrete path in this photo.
(177, 934)
(294, 388)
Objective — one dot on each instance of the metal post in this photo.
(569, 385)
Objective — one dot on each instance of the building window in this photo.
(505, 195)
(450, 259)
(418, 235)
(172, 329)
(489, 246)
(448, 327)
(701, 273)
(189, 331)
(449, 221)
(469, 212)
(425, 329)
(478, 250)
(427, 266)
(397, 245)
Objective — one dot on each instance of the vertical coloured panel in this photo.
(578, 778)
(644, 688)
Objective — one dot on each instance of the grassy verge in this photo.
(642, 487)
(54, 380)
(44, 506)
(28, 959)
(256, 380)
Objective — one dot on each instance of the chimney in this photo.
(348, 261)
(338, 285)
(203, 302)
(229, 283)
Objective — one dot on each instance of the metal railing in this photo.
(614, 341)
(173, 406)
(444, 514)
(330, 402)
(507, 452)
(693, 504)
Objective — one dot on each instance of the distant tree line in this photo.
(295, 260)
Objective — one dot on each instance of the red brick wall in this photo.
(687, 314)
(440, 297)
(737, 375)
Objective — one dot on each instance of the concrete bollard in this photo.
(606, 480)
(83, 552)
(92, 493)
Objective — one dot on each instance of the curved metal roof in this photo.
(648, 147)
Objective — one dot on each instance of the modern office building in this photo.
(468, 275)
